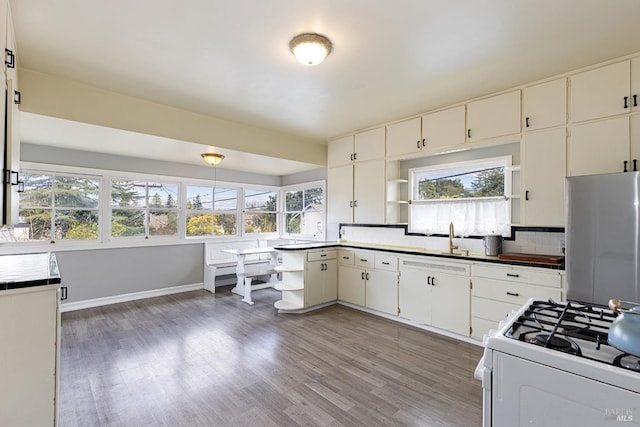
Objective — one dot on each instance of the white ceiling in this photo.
(390, 59)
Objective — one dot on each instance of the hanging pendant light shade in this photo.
(310, 48)
(212, 159)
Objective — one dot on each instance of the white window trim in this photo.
(304, 186)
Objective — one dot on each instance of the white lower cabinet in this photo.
(497, 290)
(30, 319)
(435, 293)
(321, 280)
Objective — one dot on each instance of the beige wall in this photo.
(66, 99)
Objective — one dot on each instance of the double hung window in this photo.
(260, 211)
(211, 211)
(304, 211)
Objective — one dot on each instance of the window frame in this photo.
(277, 212)
(455, 167)
(302, 187)
(213, 211)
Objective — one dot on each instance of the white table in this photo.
(243, 284)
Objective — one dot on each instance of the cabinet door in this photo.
(351, 284)
(12, 150)
(404, 137)
(599, 147)
(450, 297)
(493, 117)
(543, 170)
(444, 128)
(340, 194)
(369, 145)
(544, 105)
(600, 92)
(414, 295)
(634, 127)
(340, 151)
(313, 286)
(3, 35)
(28, 371)
(330, 281)
(3, 95)
(368, 192)
(382, 291)
(635, 84)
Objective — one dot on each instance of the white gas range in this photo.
(549, 364)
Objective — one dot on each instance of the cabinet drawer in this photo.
(364, 259)
(510, 292)
(433, 265)
(321, 255)
(346, 257)
(518, 274)
(491, 310)
(386, 262)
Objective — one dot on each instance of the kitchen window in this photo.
(211, 211)
(304, 210)
(472, 194)
(143, 208)
(260, 211)
(58, 207)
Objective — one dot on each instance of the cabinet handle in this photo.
(626, 162)
(635, 165)
(526, 122)
(351, 204)
(626, 102)
(11, 61)
(363, 275)
(345, 257)
(351, 156)
(11, 175)
(63, 293)
(367, 276)
(424, 142)
(16, 97)
(428, 280)
(385, 263)
(526, 195)
(513, 275)
(323, 255)
(513, 294)
(433, 281)
(635, 100)
(418, 144)
(355, 203)
(355, 156)
(468, 133)
(363, 260)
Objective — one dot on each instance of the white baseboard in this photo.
(97, 302)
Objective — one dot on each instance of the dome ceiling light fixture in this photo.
(310, 48)
(212, 159)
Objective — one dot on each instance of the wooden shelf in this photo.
(288, 286)
(286, 305)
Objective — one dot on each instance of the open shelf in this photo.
(286, 305)
(288, 286)
(288, 269)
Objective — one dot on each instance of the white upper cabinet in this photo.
(404, 137)
(494, 117)
(543, 169)
(340, 194)
(444, 128)
(599, 147)
(368, 192)
(369, 145)
(635, 84)
(544, 105)
(340, 151)
(602, 92)
(3, 35)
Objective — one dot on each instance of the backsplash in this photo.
(532, 242)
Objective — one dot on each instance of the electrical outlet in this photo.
(561, 246)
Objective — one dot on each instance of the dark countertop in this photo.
(416, 251)
(26, 270)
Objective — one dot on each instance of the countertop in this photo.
(406, 250)
(26, 270)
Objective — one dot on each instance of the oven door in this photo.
(525, 393)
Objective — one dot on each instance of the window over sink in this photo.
(474, 195)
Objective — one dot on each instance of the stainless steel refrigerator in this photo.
(602, 237)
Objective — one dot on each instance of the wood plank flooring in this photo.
(198, 359)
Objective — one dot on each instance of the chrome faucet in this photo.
(451, 245)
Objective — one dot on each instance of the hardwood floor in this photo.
(198, 359)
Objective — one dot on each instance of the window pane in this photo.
(163, 223)
(76, 192)
(76, 225)
(199, 224)
(459, 183)
(313, 196)
(225, 224)
(127, 222)
(294, 200)
(260, 223)
(260, 200)
(163, 195)
(37, 190)
(226, 199)
(293, 221)
(126, 193)
(199, 198)
(37, 222)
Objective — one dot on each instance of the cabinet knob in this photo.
(626, 102)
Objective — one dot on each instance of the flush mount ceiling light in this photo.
(212, 159)
(310, 48)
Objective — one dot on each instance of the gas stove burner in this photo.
(627, 361)
(556, 343)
